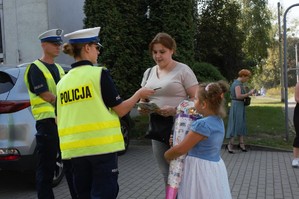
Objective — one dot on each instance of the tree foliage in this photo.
(228, 34)
(219, 37)
(270, 75)
(256, 25)
(127, 29)
(234, 34)
(122, 37)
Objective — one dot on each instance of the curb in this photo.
(142, 142)
(138, 142)
(251, 147)
(263, 148)
(259, 148)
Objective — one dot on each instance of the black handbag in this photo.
(247, 101)
(160, 128)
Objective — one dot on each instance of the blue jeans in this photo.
(47, 146)
(96, 176)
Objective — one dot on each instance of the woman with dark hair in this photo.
(176, 82)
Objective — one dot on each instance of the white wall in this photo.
(24, 20)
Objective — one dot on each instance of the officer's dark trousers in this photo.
(47, 143)
(96, 176)
(69, 172)
(296, 124)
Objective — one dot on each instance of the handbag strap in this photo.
(148, 74)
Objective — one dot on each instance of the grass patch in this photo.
(265, 124)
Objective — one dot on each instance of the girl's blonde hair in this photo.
(213, 94)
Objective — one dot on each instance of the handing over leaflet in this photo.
(148, 106)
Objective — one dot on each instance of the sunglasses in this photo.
(98, 47)
(55, 43)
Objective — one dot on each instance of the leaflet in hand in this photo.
(149, 106)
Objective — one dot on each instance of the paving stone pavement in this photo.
(256, 174)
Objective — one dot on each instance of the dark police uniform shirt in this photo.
(109, 92)
(37, 80)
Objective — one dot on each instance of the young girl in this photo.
(205, 174)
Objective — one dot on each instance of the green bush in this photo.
(206, 72)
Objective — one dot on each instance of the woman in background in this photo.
(237, 120)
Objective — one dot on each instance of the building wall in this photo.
(24, 20)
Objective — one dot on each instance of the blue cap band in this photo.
(84, 40)
(52, 39)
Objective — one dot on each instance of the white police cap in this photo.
(84, 36)
(53, 36)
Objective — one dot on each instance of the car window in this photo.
(7, 82)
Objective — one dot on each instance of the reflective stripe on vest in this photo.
(85, 126)
(40, 108)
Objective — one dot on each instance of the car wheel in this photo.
(125, 132)
(58, 173)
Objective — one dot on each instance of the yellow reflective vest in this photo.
(85, 125)
(42, 109)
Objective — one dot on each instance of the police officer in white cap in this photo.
(41, 77)
(88, 111)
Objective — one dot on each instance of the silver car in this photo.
(17, 125)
